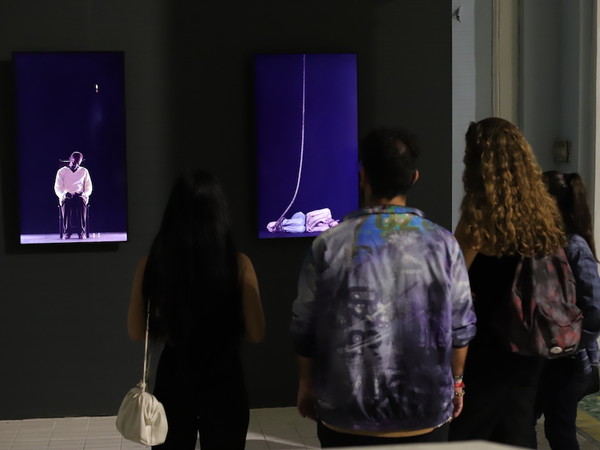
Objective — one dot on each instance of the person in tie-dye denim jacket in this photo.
(383, 315)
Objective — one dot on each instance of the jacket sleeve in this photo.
(585, 270)
(463, 314)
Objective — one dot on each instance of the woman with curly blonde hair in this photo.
(506, 209)
(506, 213)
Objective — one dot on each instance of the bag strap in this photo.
(146, 357)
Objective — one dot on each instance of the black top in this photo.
(488, 360)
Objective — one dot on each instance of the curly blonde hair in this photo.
(506, 209)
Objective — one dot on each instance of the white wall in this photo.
(556, 81)
(463, 91)
(558, 92)
(483, 59)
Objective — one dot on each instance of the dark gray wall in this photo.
(64, 350)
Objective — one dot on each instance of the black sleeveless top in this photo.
(487, 359)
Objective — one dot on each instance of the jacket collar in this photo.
(385, 209)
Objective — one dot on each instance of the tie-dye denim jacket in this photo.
(585, 269)
(382, 300)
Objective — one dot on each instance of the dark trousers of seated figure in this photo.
(73, 211)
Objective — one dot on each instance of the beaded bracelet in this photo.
(459, 386)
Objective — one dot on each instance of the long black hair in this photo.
(572, 198)
(191, 277)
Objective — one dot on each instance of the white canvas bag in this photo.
(142, 417)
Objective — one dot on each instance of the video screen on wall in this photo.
(70, 111)
(307, 142)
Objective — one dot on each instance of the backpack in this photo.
(539, 316)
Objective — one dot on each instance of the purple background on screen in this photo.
(58, 112)
(330, 168)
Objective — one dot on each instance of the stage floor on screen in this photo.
(55, 238)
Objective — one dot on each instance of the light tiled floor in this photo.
(280, 428)
(270, 428)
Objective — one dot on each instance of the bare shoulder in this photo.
(140, 269)
(243, 259)
(244, 263)
(461, 233)
(247, 274)
(254, 319)
(142, 262)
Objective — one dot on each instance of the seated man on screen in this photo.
(73, 187)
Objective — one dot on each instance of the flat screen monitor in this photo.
(70, 111)
(306, 131)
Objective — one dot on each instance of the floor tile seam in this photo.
(95, 439)
(275, 441)
(12, 441)
(47, 433)
(68, 439)
(25, 438)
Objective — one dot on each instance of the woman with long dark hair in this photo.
(203, 298)
(506, 213)
(563, 379)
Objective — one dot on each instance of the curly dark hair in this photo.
(507, 209)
